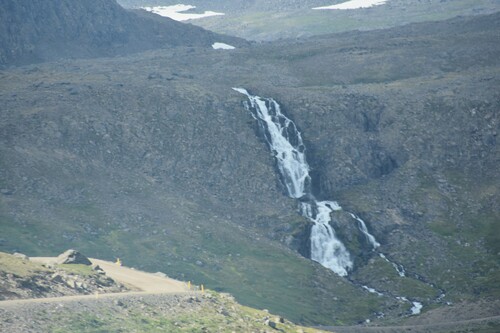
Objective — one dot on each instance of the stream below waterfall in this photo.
(286, 144)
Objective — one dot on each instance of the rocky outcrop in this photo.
(73, 257)
(33, 280)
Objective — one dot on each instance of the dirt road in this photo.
(134, 279)
(154, 288)
(139, 280)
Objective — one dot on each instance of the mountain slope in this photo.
(277, 19)
(152, 158)
(91, 300)
(152, 171)
(34, 31)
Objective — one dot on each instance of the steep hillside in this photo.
(161, 171)
(153, 158)
(34, 31)
(402, 128)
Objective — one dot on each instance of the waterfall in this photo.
(362, 227)
(399, 268)
(285, 142)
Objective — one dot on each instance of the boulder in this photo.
(21, 256)
(97, 268)
(72, 257)
(271, 324)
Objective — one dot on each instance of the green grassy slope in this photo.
(260, 23)
(153, 159)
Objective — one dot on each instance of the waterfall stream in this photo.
(286, 144)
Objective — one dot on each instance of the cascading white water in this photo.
(362, 227)
(285, 141)
(326, 248)
(399, 268)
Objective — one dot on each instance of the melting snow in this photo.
(355, 4)
(176, 12)
(222, 46)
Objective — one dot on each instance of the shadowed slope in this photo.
(36, 31)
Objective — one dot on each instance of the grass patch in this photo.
(382, 276)
(215, 313)
(14, 265)
(307, 22)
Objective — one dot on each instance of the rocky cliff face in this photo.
(404, 130)
(34, 31)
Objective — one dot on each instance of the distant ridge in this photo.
(44, 30)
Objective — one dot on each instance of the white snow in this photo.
(222, 46)
(175, 12)
(355, 4)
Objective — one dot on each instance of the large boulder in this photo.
(72, 257)
(21, 256)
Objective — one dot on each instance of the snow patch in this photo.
(222, 46)
(175, 12)
(355, 4)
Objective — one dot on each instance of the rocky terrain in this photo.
(21, 278)
(35, 31)
(265, 20)
(182, 312)
(22, 281)
(153, 158)
(208, 312)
